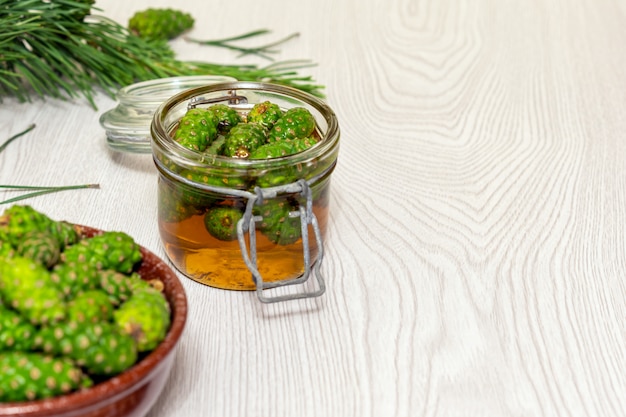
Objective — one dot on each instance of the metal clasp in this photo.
(247, 224)
(232, 98)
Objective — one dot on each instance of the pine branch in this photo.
(46, 50)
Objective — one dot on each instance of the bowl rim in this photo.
(112, 388)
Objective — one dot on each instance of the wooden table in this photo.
(476, 249)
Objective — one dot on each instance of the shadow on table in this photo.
(290, 308)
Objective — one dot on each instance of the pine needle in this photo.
(261, 51)
(12, 138)
(41, 190)
(35, 190)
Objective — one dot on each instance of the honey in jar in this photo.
(233, 222)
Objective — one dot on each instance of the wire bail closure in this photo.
(247, 224)
(232, 98)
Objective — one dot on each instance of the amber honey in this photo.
(203, 258)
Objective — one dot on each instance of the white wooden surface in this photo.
(475, 258)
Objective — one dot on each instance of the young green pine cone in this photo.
(302, 144)
(15, 332)
(288, 173)
(41, 247)
(196, 129)
(74, 277)
(232, 181)
(179, 202)
(282, 148)
(273, 150)
(226, 116)
(172, 209)
(90, 306)
(297, 122)
(276, 224)
(221, 222)
(28, 287)
(17, 221)
(116, 285)
(160, 24)
(100, 348)
(266, 114)
(6, 250)
(145, 317)
(109, 250)
(30, 376)
(243, 139)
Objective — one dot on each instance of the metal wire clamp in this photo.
(247, 224)
(232, 98)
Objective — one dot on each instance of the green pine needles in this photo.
(34, 191)
(56, 48)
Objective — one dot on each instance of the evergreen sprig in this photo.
(54, 48)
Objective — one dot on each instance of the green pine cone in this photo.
(15, 332)
(221, 222)
(276, 224)
(297, 122)
(282, 148)
(145, 316)
(179, 201)
(41, 247)
(280, 176)
(173, 205)
(243, 139)
(6, 250)
(109, 250)
(302, 144)
(30, 376)
(273, 150)
(74, 277)
(116, 285)
(286, 174)
(232, 181)
(90, 306)
(196, 129)
(17, 221)
(226, 116)
(160, 24)
(137, 284)
(27, 287)
(266, 114)
(100, 348)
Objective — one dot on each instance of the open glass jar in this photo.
(282, 201)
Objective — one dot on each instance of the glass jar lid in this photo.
(127, 125)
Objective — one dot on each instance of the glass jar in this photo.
(282, 202)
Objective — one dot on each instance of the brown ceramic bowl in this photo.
(133, 392)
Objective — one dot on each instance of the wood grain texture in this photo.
(475, 256)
